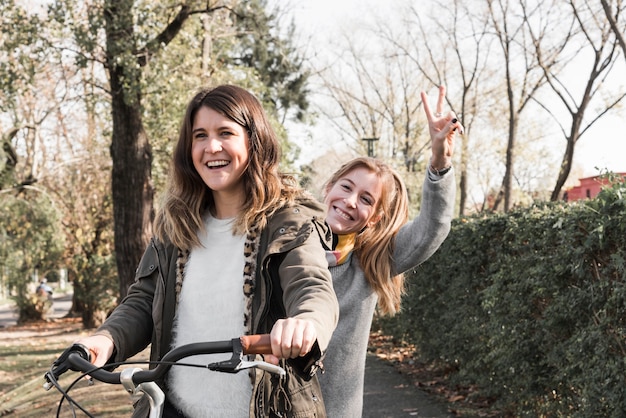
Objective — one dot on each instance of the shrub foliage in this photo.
(530, 306)
(30, 242)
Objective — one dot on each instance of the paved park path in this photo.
(388, 394)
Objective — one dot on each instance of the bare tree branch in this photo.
(613, 22)
(171, 30)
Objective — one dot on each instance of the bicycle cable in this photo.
(65, 392)
(73, 404)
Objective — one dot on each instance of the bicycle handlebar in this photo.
(77, 358)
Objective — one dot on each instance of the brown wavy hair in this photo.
(187, 197)
(375, 245)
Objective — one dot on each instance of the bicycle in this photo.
(138, 381)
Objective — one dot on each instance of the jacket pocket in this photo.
(292, 396)
(148, 264)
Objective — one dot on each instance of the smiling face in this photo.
(219, 151)
(353, 201)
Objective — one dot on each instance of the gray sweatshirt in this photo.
(342, 382)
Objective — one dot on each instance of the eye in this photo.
(199, 135)
(345, 187)
(367, 200)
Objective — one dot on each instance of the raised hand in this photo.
(442, 128)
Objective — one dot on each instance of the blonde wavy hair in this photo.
(187, 197)
(375, 245)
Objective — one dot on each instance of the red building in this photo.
(588, 188)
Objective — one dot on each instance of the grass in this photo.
(27, 352)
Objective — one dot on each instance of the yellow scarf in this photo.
(343, 248)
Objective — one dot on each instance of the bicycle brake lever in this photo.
(237, 363)
(231, 365)
(263, 365)
(226, 366)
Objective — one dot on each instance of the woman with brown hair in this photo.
(236, 251)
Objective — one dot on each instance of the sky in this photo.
(603, 146)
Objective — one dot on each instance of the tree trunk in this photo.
(568, 157)
(463, 180)
(566, 168)
(510, 166)
(130, 150)
(132, 189)
(463, 191)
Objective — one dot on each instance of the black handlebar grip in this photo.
(61, 364)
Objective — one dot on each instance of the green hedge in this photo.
(529, 306)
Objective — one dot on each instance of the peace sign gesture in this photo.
(442, 129)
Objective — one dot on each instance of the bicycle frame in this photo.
(138, 381)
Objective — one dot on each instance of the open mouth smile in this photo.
(342, 214)
(217, 164)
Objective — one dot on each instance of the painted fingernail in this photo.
(454, 120)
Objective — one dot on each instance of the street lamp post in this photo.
(370, 146)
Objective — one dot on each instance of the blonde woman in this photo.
(374, 245)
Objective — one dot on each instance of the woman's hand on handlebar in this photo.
(100, 348)
(292, 337)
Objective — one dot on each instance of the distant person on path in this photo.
(45, 305)
(237, 251)
(374, 245)
(44, 289)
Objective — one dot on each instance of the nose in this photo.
(213, 146)
(350, 201)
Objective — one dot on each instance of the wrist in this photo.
(440, 166)
(440, 171)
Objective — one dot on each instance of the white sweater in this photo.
(211, 308)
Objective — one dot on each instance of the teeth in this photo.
(343, 214)
(218, 163)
